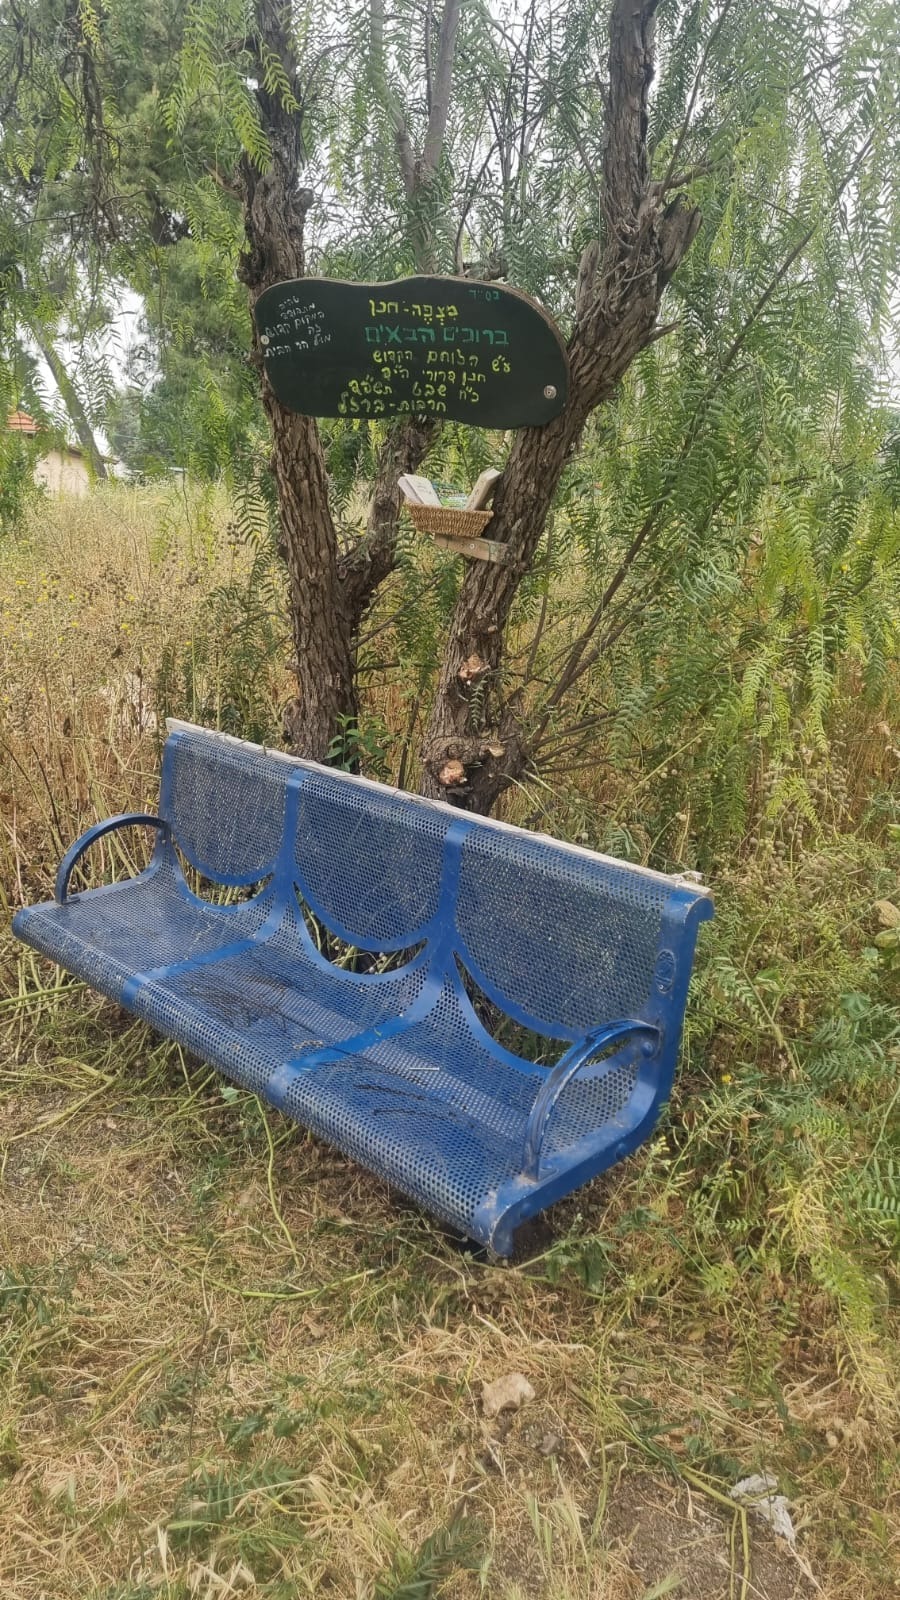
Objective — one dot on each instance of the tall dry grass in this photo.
(232, 1363)
(108, 621)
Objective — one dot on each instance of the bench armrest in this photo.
(563, 1073)
(130, 819)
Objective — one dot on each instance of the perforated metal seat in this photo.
(442, 1111)
(148, 922)
(476, 921)
(252, 1011)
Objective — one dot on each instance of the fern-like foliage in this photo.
(419, 1574)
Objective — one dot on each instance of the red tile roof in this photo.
(19, 422)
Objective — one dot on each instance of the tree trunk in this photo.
(476, 743)
(72, 401)
(324, 658)
(370, 561)
(274, 216)
(328, 592)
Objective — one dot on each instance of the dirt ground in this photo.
(665, 1532)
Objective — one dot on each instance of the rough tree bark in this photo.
(72, 401)
(369, 563)
(475, 746)
(275, 210)
(329, 591)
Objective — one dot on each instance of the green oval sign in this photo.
(440, 347)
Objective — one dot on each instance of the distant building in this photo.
(60, 469)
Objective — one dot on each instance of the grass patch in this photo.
(231, 1362)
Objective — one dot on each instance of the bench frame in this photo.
(651, 1041)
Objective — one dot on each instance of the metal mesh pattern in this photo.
(390, 849)
(588, 1105)
(107, 935)
(251, 1012)
(566, 938)
(440, 1113)
(225, 803)
(560, 940)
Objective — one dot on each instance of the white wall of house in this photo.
(63, 472)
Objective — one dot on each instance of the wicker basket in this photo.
(448, 521)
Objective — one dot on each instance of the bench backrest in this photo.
(369, 859)
(557, 935)
(560, 938)
(225, 801)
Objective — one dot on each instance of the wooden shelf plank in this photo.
(474, 549)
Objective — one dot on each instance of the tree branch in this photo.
(625, 160)
(440, 97)
(71, 399)
(667, 182)
(683, 180)
(378, 74)
(429, 65)
(468, 202)
(560, 107)
(369, 562)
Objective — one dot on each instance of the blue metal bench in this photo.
(396, 1067)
